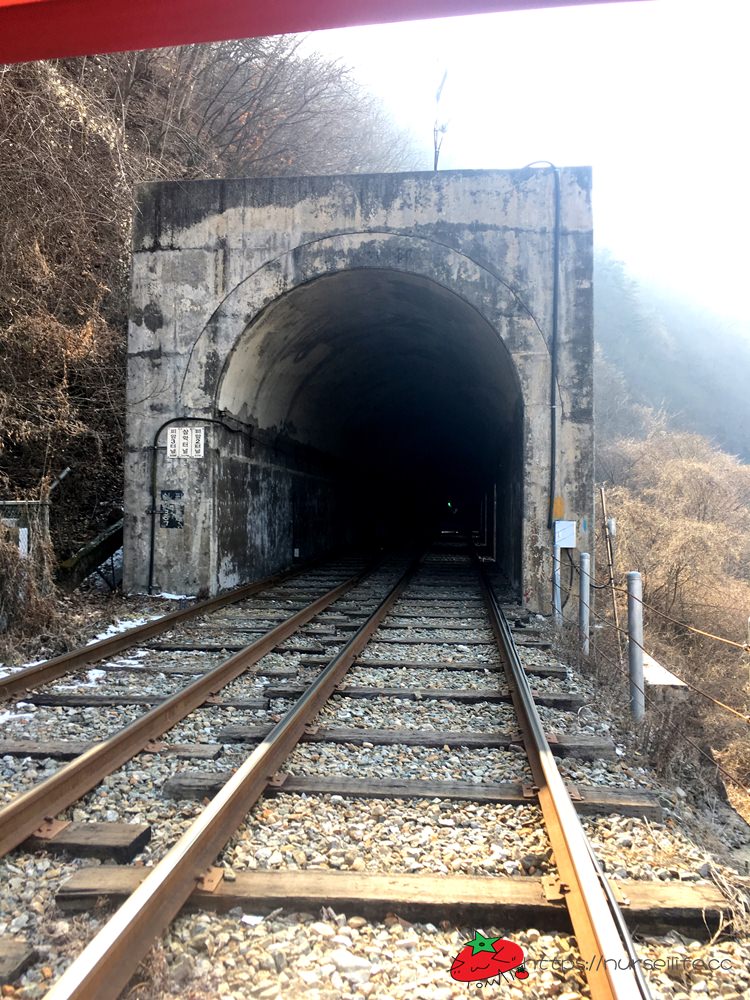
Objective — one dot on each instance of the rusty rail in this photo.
(50, 670)
(107, 963)
(603, 940)
(24, 814)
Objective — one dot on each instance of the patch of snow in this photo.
(7, 716)
(128, 661)
(32, 663)
(175, 597)
(94, 676)
(122, 626)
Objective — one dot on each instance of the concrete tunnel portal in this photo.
(407, 391)
(357, 351)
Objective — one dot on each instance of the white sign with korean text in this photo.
(185, 442)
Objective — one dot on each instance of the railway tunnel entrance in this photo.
(356, 354)
(402, 395)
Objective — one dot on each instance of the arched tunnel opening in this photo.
(314, 361)
(389, 408)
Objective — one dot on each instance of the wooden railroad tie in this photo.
(131, 698)
(448, 616)
(649, 907)
(68, 749)
(16, 955)
(121, 841)
(588, 799)
(562, 745)
(585, 747)
(561, 700)
(537, 670)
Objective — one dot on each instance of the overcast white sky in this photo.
(653, 95)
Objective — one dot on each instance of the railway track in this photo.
(363, 664)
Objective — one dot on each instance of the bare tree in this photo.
(249, 108)
(74, 138)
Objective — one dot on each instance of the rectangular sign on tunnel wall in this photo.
(172, 512)
(185, 442)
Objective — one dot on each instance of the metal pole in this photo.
(584, 597)
(611, 567)
(556, 596)
(635, 646)
(494, 523)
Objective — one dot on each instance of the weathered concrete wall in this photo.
(222, 272)
(271, 505)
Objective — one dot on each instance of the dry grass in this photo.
(151, 979)
(27, 595)
(683, 520)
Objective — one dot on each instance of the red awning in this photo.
(52, 29)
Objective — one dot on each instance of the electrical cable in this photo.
(704, 694)
(576, 569)
(154, 453)
(744, 646)
(652, 705)
(693, 687)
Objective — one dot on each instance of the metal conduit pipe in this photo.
(154, 455)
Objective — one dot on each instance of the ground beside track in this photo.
(326, 955)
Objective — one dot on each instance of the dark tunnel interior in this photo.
(403, 388)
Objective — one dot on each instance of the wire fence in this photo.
(687, 683)
(653, 706)
(744, 647)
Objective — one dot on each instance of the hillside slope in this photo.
(691, 365)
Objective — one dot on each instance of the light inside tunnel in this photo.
(403, 384)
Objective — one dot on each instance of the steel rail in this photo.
(609, 968)
(50, 670)
(25, 814)
(105, 966)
